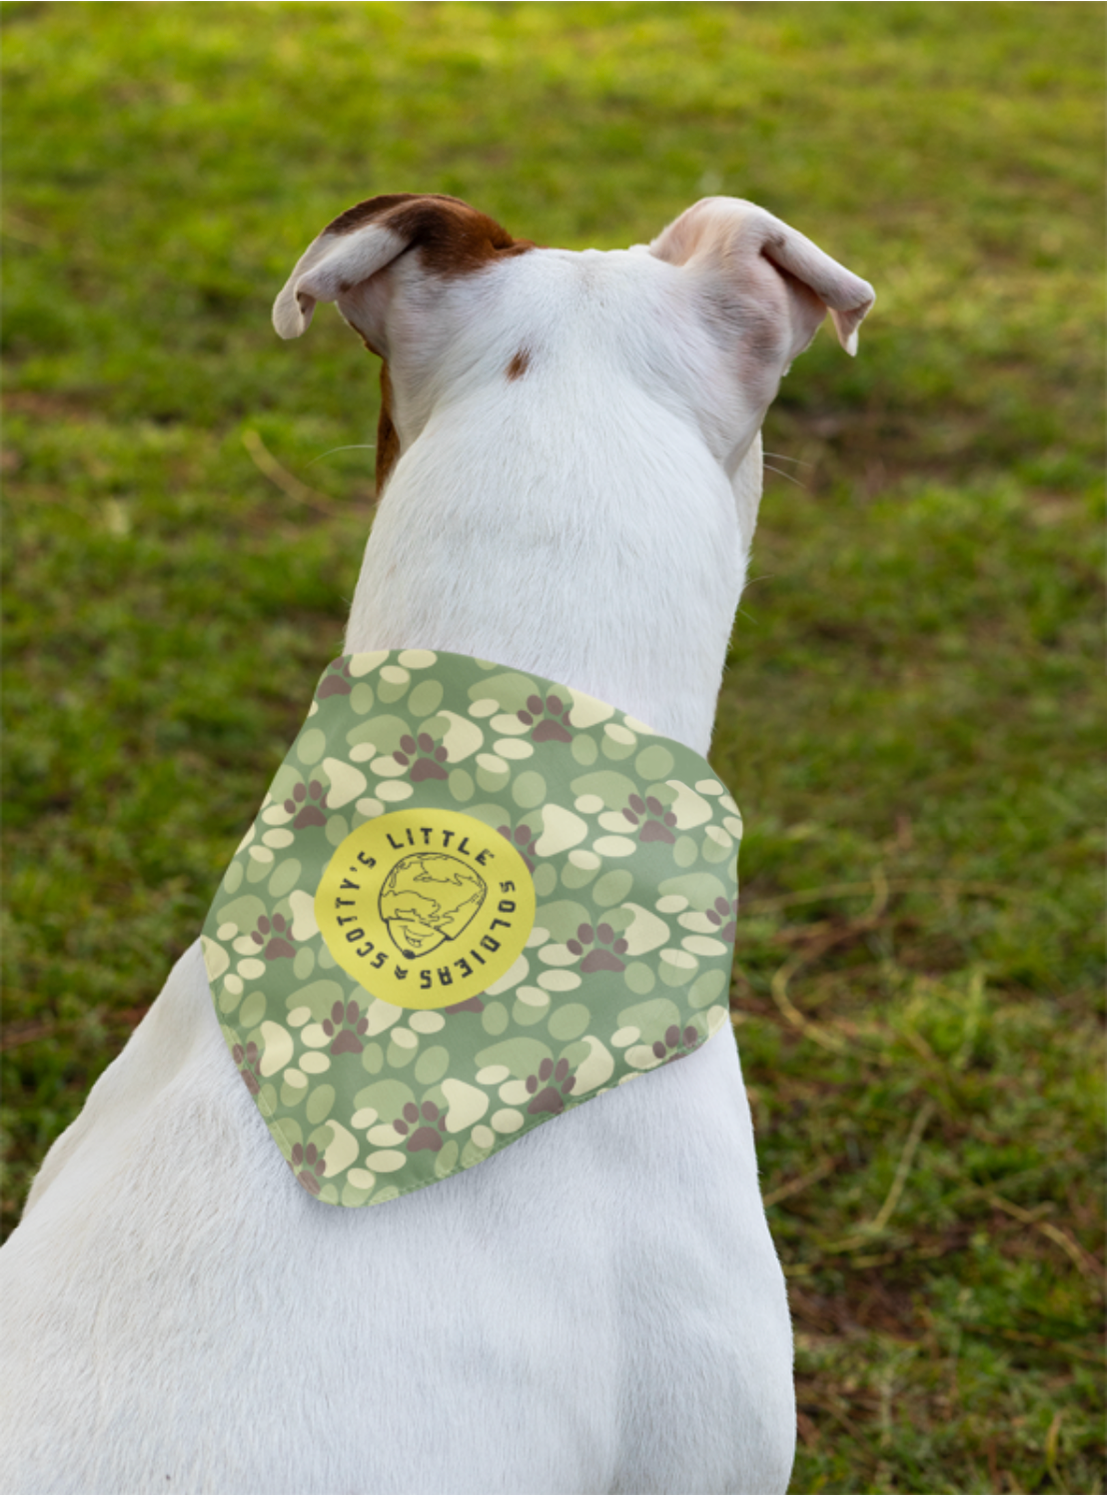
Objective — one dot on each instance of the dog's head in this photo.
(706, 319)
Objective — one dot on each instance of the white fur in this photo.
(598, 1308)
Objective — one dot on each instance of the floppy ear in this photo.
(342, 256)
(732, 244)
(454, 239)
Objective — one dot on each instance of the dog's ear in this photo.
(746, 257)
(453, 237)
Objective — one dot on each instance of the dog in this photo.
(570, 468)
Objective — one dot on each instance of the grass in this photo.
(909, 712)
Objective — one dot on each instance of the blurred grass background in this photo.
(908, 715)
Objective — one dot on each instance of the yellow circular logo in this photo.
(425, 908)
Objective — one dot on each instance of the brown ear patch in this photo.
(454, 238)
(364, 212)
(388, 442)
(519, 364)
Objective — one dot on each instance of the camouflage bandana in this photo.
(472, 899)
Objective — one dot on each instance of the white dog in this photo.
(570, 446)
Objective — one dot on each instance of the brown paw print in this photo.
(548, 720)
(306, 805)
(605, 955)
(424, 759)
(556, 1082)
(654, 822)
(308, 1164)
(725, 916)
(428, 1134)
(470, 1005)
(246, 1057)
(523, 839)
(337, 682)
(676, 1043)
(272, 935)
(347, 1025)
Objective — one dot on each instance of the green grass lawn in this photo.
(908, 718)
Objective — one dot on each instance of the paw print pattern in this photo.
(603, 956)
(337, 682)
(548, 720)
(429, 1122)
(524, 840)
(306, 805)
(653, 821)
(537, 1059)
(347, 1025)
(309, 1165)
(675, 1043)
(725, 916)
(556, 1082)
(272, 936)
(246, 1057)
(422, 757)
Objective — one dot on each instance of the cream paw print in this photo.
(556, 1082)
(246, 1057)
(428, 1122)
(308, 1164)
(547, 719)
(337, 682)
(725, 916)
(653, 821)
(422, 757)
(601, 948)
(274, 936)
(675, 1043)
(345, 1028)
(305, 806)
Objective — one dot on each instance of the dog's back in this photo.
(598, 1308)
(570, 449)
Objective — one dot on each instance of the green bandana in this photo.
(471, 900)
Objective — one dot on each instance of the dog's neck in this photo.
(575, 435)
(615, 567)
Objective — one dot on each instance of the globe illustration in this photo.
(427, 899)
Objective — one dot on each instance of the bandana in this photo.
(472, 900)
